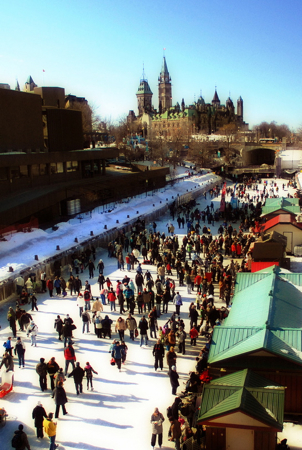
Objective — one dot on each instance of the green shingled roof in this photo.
(246, 279)
(144, 88)
(290, 205)
(243, 391)
(266, 316)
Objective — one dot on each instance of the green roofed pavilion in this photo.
(243, 392)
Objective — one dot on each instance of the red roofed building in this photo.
(286, 225)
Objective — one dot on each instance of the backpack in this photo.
(17, 440)
(97, 320)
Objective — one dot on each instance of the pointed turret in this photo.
(29, 84)
(215, 101)
(164, 87)
(230, 105)
(144, 96)
(183, 106)
(17, 88)
(164, 73)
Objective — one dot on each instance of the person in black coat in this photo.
(41, 369)
(20, 350)
(143, 327)
(106, 327)
(52, 369)
(77, 374)
(173, 375)
(59, 395)
(193, 314)
(158, 353)
(38, 414)
(59, 326)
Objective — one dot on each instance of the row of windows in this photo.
(38, 169)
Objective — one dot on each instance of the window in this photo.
(72, 166)
(42, 169)
(15, 172)
(60, 168)
(35, 170)
(3, 173)
(23, 171)
(53, 168)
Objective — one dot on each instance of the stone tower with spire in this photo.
(164, 88)
(216, 101)
(144, 96)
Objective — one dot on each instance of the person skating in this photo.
(181, 334)
(11, 317)
(59, 395)
(106, 327)
(33, 300)
(50, 429)
(131, 326)
(178, 302)
(38, 415)
(118, 353)
(67, 329)
(120, 326)
(58, 326)
(69, 356)
(193, 335)
(158, 353)
(173, 375)
(78, 375)
(7, 362)
(86, 321)
(20, 351)
(157, 420)
(41, 369)
(88, 372)
(32, 331)
(52, 369)
(143, 327)
(20, 440)
(175, 432)
(8, 346)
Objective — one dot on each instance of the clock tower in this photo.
(164, 88)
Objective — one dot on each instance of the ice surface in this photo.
(116, 415)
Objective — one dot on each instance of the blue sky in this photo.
(97, 48)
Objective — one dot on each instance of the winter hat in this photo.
(39, 403)
(18, 339)
(173, 368)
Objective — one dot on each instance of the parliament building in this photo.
(168, 120)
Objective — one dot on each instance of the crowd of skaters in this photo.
(196, 260)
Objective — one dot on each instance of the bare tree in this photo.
(272, 130)
(199, 153)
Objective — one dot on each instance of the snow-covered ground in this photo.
(117, 413)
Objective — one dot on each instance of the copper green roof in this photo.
(289, 205)
(266, 316)
(247, 392)
(144, 88)
(171, 114)
(246, 279)
(290, 201)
